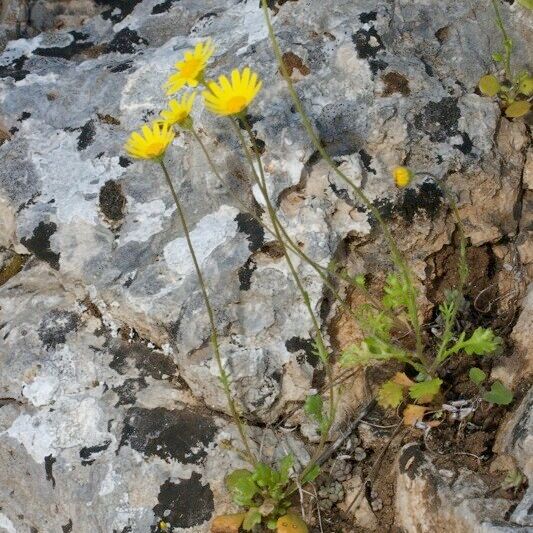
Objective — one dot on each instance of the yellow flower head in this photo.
(190, 68)
(153, 142)
(225, 98)
(402, 176)
(178, 110)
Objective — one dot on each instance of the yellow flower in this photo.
(191, 68)
(225, 98)
(153, 142)
(402, 176)
(179, 111)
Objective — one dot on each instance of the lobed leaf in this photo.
(477, 375)
(264, 476)
(498, 394)
(482, 342)
(242, 487)
(390, 394)
(396, 293)
(425, 391)
(413, 414)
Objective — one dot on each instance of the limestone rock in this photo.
(384, 83)
(427, 501)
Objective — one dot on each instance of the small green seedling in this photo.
(264, 492)
(513, 480)
(514, 91)
(498, 394)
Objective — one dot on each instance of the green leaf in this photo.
(390, 394)
(285, 466)
(497, 56)
(513, 479)
(252, 518)
(372, 349)
(489, 85)
(311, 475)
(498, 394)
(313, 407)
(396, 293)
(477, 375)
(360, 280)
(425, 391)
(528, 4)
(517, 109)
(264, 476)
(272, 523)
(526, 85)
(242, 487)
(482, 342)
(320, 350)
(374, 322)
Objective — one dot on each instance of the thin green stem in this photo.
(261, 183)
(462, 269)
(322, 271)
(397, 258)
(224, 379)
(507, 42)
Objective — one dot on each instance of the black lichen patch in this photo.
(377, 64)
(367, 43)
(366, 159)
(78, 45)
(296, 344)
(25, 115)
(245, 274)
(343, 194)
(15, 69)
(56, 325)
(124, 161)
(112, 201)
(121, 67)
(439, 119)
(180, 435)
(246, 223)
(368, 17)
(163, 7)
(127, 392)
(184, 504)
(125, 42)
(49, 461)
(395, 83)
(87, 135)
(39, 243)
(149, 362)
(67, 528)
(466, 146)
(427, 198)
(88, 453)
(118, 9)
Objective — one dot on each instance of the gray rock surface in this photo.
(107, 336)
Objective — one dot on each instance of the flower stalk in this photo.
(397, 258)
(261, 182)
(224, 379)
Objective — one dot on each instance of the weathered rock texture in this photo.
(106, 367)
